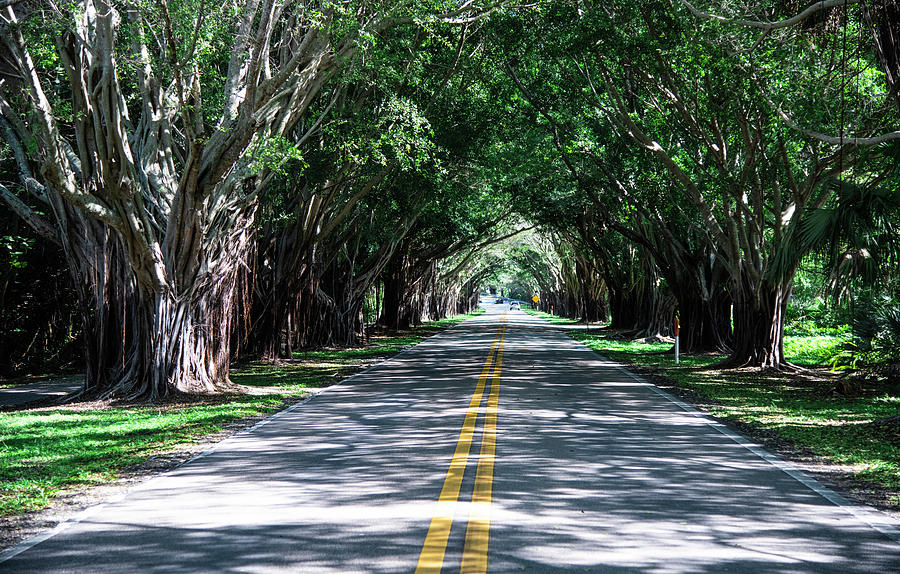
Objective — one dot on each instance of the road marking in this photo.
(431, 559)
(474, 560)
(862, 512)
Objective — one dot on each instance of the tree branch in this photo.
(28, 215)
(787, 23)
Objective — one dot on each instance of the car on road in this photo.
(499, 300)
(514, 305)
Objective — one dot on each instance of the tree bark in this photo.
(405, 297)
(705, 322)
(592, 307)
(147, 343)
(622, 310)
(759, 326)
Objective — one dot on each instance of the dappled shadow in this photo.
(49, 391)
(632, 482)
(595, 473)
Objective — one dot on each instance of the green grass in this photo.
(555, 319)
(814, 350)
(797, 408)
(44, 451)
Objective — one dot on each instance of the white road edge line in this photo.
(880, 522)
(33, 541)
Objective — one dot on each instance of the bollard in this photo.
(677, 339)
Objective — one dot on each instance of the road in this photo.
(557, 461)
(59, 388)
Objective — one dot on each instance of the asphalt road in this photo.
(594, 471)
(11, 396)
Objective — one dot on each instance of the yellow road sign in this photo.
(535, 298)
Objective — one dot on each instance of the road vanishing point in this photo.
(500, 445)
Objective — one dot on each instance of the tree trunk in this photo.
(759, 326)
(468, 298)
(108, 298)
(392, 315)
(262, 312)
(325, 321)
(405, 296)
(656, 311)
(705, 323)
(149, 343)
(592, 305)
(623, 312)
(704, 306)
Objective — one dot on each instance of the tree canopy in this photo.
(256, 176)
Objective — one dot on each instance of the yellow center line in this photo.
(431, 559)
(475, 552)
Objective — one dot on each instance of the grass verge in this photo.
(555, 319)
(44, 451)
(799, 410)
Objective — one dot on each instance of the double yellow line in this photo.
(474, 559)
